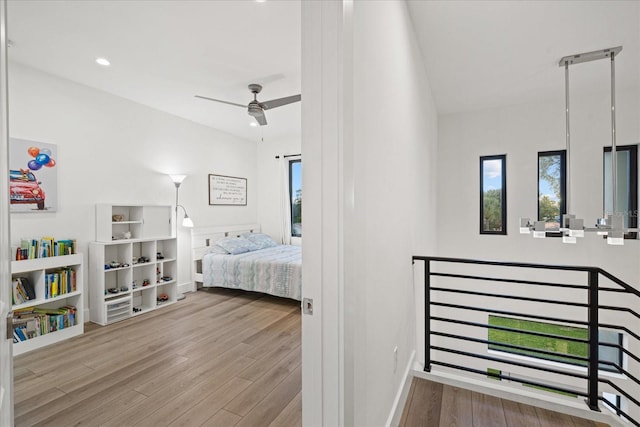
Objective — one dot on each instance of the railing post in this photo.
(592, 369)
(427, 315)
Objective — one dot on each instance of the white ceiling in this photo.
(162, 53)
(484, 54)
(478, 54)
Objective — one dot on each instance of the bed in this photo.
(272, 269)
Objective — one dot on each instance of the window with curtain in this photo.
(295, 196)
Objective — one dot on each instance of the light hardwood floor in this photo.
(431, 404)
(217, 358)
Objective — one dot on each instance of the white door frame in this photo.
(326, 144)
(6, 342)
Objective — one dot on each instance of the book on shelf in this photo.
(23, 290)
(44, 247)
(60, 282)
(34, 322)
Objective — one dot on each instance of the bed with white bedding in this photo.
(224, 257)
(275, 270)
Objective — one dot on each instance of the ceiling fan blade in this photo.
(219, 100)
(280, 102)
(260, 118)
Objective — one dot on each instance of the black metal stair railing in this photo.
(442, 284)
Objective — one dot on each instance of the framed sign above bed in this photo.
(227, 190)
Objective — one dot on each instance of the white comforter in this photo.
(276, 271)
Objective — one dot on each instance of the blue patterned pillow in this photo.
(237, 245)
(260, 239)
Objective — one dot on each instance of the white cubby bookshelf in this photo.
(129, 275)
(36, 271)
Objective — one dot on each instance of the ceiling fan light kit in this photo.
(611, 224)
(256, 108)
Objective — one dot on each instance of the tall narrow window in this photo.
(493, 195)
(626, 185)
(552, 189)
(295, 195)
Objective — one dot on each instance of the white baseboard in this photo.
(186, 287)
(401, 396)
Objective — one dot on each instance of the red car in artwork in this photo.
(25, 188)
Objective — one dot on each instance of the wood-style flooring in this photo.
(217, 358)
(431, 404)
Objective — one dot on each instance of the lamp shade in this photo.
(177, 179)
(187, 222)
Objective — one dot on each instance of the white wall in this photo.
(268, 177)
(395, 136)
(111, 150)
(521, 132)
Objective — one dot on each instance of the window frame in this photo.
(563, 186)
(495, 346)
(633, 185)
(503, 195)
(291, 195)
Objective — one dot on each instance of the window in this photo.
(627, 185)
(557, 345)
(493, 195)
(295, 196)
(552, 189)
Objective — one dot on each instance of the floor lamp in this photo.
(186, 221)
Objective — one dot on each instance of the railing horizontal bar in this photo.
(619, 411)
(621, 348)
(624, 291)
(503, 263)
(504, 328)
(510, 297)
(619, 390)
(517, 347)
(620, 369)
(511, 378)
(622, 328)
(617, 281)
(622, 309)
(524, 282)
(510, 313)
(510, 362)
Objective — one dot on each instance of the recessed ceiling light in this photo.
(261, 1)
(103, 61)
(253, 124)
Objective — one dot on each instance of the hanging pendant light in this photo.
(611, 224)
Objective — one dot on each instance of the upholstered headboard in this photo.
(203, 237)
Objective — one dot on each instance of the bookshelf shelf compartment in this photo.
(148, 255)
(40, 272)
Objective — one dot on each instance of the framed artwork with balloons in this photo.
(33, 176)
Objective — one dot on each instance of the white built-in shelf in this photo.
(36, 270)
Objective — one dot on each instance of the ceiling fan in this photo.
(256, 108)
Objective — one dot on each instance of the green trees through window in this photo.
(552, 188)
(493, 195)
(295, 195)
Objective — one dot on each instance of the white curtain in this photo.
(285, 201)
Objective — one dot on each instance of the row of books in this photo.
(34, 322)
(44, 247)
(59, 282)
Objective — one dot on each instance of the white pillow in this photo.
(237, 245)
(215, 249)
(260, 239)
